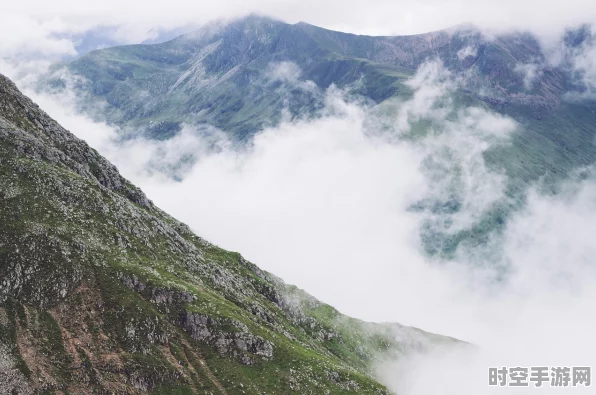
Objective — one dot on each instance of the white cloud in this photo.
(23, 36)
(583, 64)
(284, 71)
(576, 54)
(541, 316)
(34, 23)
(530, 72)
(431, 84)
(465, 52)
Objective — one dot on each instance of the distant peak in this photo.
(250, 21)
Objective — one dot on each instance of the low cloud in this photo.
(530, 72)
(583, 63)
(25, 37)
(469, 51)
(285, 72)
(575, 52)
(540, 317)
(137, 21)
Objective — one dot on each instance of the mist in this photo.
(33, 26)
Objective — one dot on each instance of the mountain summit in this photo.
(102, 292)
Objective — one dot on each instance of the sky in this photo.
(36, 26)
(325, 203)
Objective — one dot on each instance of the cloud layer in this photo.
(34, 26)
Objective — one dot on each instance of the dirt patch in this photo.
(36, 361)
(204, 367)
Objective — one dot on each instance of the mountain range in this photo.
(243, 76)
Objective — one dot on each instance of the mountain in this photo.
(102, 292)
(221, 74)
(242, 76)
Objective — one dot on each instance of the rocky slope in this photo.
(101, 292)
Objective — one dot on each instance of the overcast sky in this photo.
(38, 25)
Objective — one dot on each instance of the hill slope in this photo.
(102, 292)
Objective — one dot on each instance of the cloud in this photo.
(540, 317)
(46, 26)
(467, 52)
(454, 142)
(575, 52)
(583, 65)
(287, 72)
(24, 37)
(431, 84)
(530, 72)
(546, 245)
